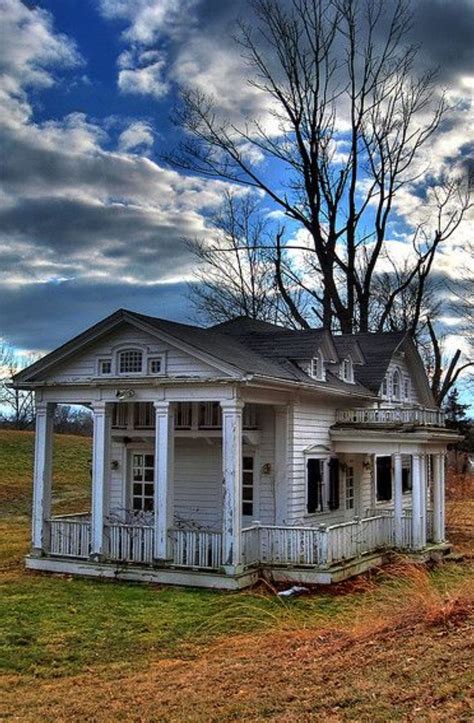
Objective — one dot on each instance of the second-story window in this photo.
(105, 366)
(347, 371)
(130, 361)
(396, 385)
(316, 368)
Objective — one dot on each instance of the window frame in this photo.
(143, 452)
(249, 455)
(397, 391)
(130, 350)
(377, 501)
(104, 360)
(349, 475)
(320, 374)
(153, 358)
(324, 467)
(349, 378)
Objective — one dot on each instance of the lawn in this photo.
(386, 647)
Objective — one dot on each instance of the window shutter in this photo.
(333, 501)
(314, 486)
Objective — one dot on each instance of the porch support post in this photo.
(397, 499)
(42, 477)
(164, 475)
(281, 464)
(418, 534)
(232, 483)
(100, 476)
(438, 498)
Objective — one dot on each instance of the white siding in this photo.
(84, 365)
(309, 426)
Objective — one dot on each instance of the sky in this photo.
(90, 218)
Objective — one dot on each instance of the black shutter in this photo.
(384, 479)
(314, 482)
(333, 484)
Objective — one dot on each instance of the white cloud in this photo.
(138, 136)
(143, 74)
(149, 19)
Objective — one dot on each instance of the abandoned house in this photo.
(224, 453)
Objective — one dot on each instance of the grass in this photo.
(390, 646)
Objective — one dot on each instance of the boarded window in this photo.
(333, 501)
(384, 479)
(314, 470)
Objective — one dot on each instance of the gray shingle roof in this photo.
(257, 348)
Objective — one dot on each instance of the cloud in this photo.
(143, 73)
(147, 20)
(138, 137)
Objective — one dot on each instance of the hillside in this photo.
(392, 646)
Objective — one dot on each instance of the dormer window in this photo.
(316, 367)
(385, 386)
(347, 370)
(130, 361)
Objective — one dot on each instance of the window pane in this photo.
(247, 493)
(137, 489)
(149, 460)
(248, 463)
(148, 504)
(137, 460)
(247, 508)
(149, 490)
(314, 485)
(130, 362)
(137, 504)
(137, 475)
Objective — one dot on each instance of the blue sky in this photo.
(90, 218)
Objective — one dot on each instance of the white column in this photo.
(418, 534)
(281, 465)
(164, 476)
(100, 476)
(42, 476)
(438, 498)
(397, 499)
(232, 482)
(424, 496)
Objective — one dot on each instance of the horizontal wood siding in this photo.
(309, 426)
(198, 482)
(265, 455)
(177, 362)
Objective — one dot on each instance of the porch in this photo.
(262, 546)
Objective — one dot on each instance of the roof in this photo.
(247, 347)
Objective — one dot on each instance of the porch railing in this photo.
(391, 415)
(130, 543)
(196, 548)
(316, 546)
(70, 536)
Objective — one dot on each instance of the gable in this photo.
(406, 362)
(83, 364)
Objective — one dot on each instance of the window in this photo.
(347, 371)
(383, 478)
(143, 415)
(247, 485)
(406, 388)
(316, 368)
(143, 477)
(314, 485)
(130, 361)
(105, 366)
(385, 386)
(155, 365)
(396, 385)
(350, 488)
(333, 501)
(120, 415)
(184, 415)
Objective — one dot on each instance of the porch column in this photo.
(281, 464)
(438, 498)
(164, 475)
(42, 476)
(418, 534)
(100, 475)
(397, 499)
(232, 493)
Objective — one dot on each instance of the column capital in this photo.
(161, 406)
(232, 405)
(100, 407)
(44, 407)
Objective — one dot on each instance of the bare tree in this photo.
(351, 117)
(17, 407)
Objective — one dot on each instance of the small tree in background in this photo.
(17, 407)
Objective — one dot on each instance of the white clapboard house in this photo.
(224, 453)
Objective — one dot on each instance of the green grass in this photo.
(56, 626)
